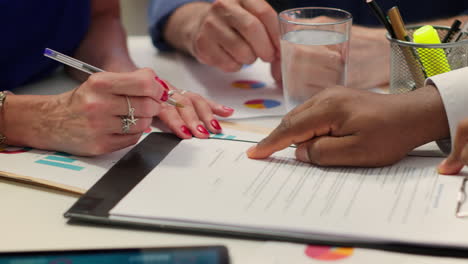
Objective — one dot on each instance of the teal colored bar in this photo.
(60, 165)
(62, 159)
(218, 135)
(230, 137)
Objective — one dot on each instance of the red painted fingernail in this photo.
(228, 108)
(215, 124)
(186, 131)
(163, 83)
(165, 96)
(202, 129)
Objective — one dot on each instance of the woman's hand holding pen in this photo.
(193, 117)
(92, 119)
(458, 158)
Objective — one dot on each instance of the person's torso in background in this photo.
(30, 26)
(412, 11)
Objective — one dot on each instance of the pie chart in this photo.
(262, 103)
(328, 253)
(248, 84)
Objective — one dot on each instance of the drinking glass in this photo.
(314, 51)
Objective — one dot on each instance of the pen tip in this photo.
(48, 51)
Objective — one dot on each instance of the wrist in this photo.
(183, 24)
(24, 120)
(429, 119)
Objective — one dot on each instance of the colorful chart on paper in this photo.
(328, 253)
(235, 89)
(248, 84)
(262, 103)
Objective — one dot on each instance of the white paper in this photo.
(287, 253)
(79, 173)
(260, 95)
(215, 183)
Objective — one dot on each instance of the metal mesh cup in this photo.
(412, 63)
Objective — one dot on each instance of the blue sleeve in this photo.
(158, 13)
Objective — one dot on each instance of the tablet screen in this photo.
(185, 255)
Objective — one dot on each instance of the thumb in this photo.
(450, 166)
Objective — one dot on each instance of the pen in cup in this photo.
(411, 57)
(464, 30)
(82, 66)
(381, 16)
(454, 29)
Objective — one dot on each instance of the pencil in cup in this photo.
(84, 67)
(411, 58)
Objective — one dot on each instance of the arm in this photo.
(105, 44)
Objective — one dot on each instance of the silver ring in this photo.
(129, 119)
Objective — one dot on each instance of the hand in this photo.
(369, 58)
(196, 117)
(87, 120)
(227, 33)
(349, 127)
(458, 158)
(308, 69)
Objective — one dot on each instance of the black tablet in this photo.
(169, 255)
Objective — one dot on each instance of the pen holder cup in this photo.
(411, 63)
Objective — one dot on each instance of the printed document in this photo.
(213, 182)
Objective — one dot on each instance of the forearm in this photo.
(105, 45)
(179, 29)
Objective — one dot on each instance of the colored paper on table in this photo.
(77, 174)
(286, 253)
(252, 92)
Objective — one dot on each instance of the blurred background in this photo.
(134, 16)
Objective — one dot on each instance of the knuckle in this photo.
(220, 5)
(286, 123)
(186, 101)
(210, 23)
(195, 96)
(248, 25)
(91, 106)
(148, 72)
(264, 11)
(96, 81)
(147, 107)
(143, 123)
